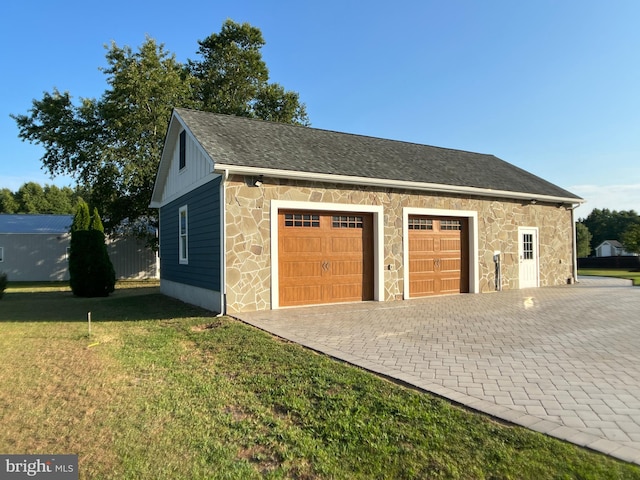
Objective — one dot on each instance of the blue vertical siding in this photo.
(203, 269)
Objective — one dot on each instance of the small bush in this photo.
(3, 283)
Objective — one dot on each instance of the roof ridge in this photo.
(337, 132)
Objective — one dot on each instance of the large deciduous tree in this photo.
(231, 77)
(112, 145)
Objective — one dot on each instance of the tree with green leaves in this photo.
(90, 269)
(8, 203)
(60, 200)
(583, 240)
(96, 221)
(605, 224)
(631, 238)
(231, 77)
(81, 220)
(112, 145)
(31, 197)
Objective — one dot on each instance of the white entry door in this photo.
(528, 255)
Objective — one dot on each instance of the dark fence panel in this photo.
(609, 262)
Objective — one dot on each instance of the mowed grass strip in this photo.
(632, 275)
(166, 390)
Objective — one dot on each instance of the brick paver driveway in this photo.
(564, 361)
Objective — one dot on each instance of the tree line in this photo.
(111, 145)
(31, 197)
(605, 224)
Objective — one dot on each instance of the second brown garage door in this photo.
(324, 257)
(438, 255)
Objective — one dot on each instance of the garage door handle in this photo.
(436, 262)
(325, 265)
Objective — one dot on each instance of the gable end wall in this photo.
(197, 166)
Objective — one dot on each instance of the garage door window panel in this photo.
(347, 221)
(301, 220)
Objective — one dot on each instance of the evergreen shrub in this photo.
(90, 269)
(3, 283)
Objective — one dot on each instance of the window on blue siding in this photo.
(183, 149)
(184, 235)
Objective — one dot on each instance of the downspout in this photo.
(223, 244)
(575, 244)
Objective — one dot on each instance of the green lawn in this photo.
(619, 273)
(163, 390)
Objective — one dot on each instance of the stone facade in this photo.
(248, 243)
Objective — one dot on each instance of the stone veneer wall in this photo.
(248, 246)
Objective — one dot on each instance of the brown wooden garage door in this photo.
(438, 255)
(324, 257)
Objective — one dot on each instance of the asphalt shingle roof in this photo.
(31, 223)
(245, 142)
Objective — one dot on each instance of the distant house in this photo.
(35, 248)
(613, 248)
(259, 215)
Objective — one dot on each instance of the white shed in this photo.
(612, 248)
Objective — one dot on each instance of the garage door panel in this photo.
(302, 245)
(450, 265)
(450, 245)
(347, 292)
(450, 285)
(346, 245)
(341, 268)
(437, 255)
(324, 257)
(421, 266)
(422, 287)
(301, 269)
(301, 294)
(421, 244)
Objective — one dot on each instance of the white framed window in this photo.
(183, 241)
(1, 254)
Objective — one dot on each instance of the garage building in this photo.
(259, 215)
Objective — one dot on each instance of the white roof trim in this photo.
(381, 182)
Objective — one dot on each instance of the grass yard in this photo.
(619, 273)
(163, 390)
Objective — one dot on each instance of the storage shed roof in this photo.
(33, 223)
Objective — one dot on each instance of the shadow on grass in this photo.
(129, 304)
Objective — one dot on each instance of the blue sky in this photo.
(551, 86)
